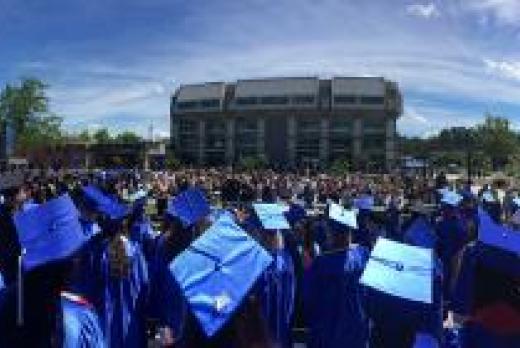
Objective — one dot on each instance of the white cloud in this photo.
(328, 38)
(427, 11)
(423, 119)
(507, 69)
(505, 11)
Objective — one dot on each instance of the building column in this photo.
(87, 157)
(174, 137)
(390, 148)
(230, 141)
(324, 142)
(202, 142)
(357, 138)
(260, 140)
(291, 139)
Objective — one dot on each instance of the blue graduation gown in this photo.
(475, 336)
(452, 237)
(124, 304)
(277, 291)
(334, 300)
(472, 334)
(143, 234)
(392, 223)
(166, 302)
(81, 327)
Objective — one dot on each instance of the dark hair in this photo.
(245, 329)
(506, 288)
(118, 259)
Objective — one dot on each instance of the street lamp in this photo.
(469, 148)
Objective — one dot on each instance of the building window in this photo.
(187, 126)
(374, 142)
(308, 126)
(244, 125)
(303, 100)
(274, 100)
(372, 100)
(246, 101)
(215, 127)
(374, 126)
(210, 103)
(340, 125)
(187, 105)
(344, 99)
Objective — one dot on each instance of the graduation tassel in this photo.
(19, 299)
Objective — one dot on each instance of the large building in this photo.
(298, 121)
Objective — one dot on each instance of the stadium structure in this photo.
(289, 122)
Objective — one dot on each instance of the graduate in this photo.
(216, 275)
(50, 236)
(365, 205)
(393, 219)
(276, 287)
(489, 315)
(167, 305)
(122, 283)
(9, 245)
(491, 204)
(141, 229)
(333, 298)
(401, 298)
(469, 213)
(421, 233)
(452, 237)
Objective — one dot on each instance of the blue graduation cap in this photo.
(424, 340)
(295, 213)
(420, 233)
(271, 216)
(400, 271)
(217, 213)
(104, 204)
(364, 202)
(28, 205)
(345, 217)
(443, 190)
(494, 235)
(190, 206)
(217, 271)
(451, 198)
(49, 232)
(466, 193)
(138, 195)
(488, 197)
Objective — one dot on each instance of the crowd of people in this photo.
(216, 258)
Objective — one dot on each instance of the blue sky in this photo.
(115, 63)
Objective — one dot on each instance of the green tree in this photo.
(127, 137)
(172, 162)
(497, 139)
(42, 131)
(84, 135)
(23, 104)
(340, 167)
(24, 107)
(252, 162)
(102, 136)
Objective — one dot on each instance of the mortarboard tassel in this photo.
(19, 298)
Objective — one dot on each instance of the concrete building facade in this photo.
(296, 121)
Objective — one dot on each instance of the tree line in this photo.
(24, 107)
(490, 145)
